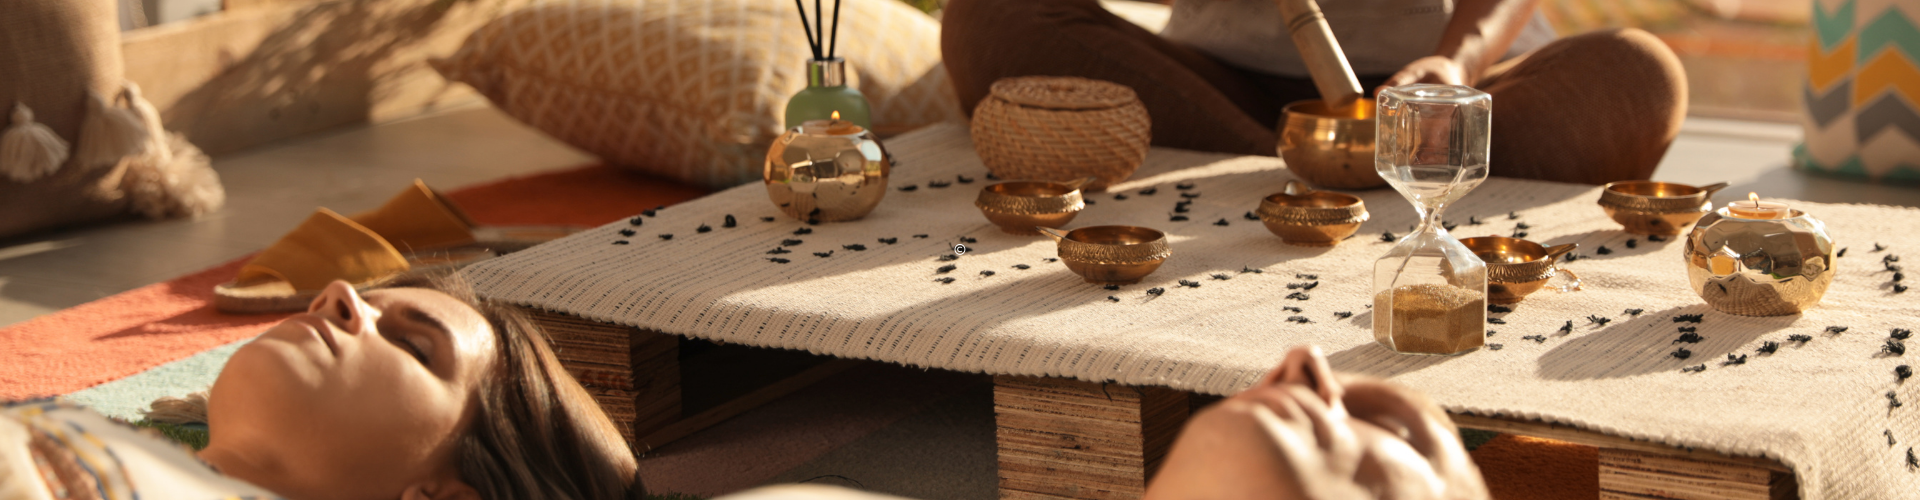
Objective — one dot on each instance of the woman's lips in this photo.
(322, 329)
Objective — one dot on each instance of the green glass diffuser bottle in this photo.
(827, 92)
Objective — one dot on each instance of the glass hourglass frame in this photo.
(1430, 291)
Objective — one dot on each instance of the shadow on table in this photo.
(1646, 344)
(1377, 360)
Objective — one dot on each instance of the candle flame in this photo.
(1753, 197)
(836, 115)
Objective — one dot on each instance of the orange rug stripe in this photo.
(133, 331)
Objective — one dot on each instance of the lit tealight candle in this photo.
(831, 126)
(1753, 208)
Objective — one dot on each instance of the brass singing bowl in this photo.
(1516, 267)
(1656, 208)
(1119, 255)
(1328, 148)
(1304, 217)
(1020, 207)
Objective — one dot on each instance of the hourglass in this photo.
(1430, 291)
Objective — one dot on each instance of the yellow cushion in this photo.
(693, 89)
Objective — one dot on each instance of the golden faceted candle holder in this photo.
(1019, 207)
(1304, 217)
(1760, 267)
(1119, 255)
(1517, 267)
(1330, 149)
(1656, 208)
(827, 171)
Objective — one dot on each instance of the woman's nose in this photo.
(340, 304)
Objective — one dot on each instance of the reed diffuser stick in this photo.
(834, 41)
(807, 27)
(819, 28)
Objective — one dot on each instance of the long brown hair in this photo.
(535, 434)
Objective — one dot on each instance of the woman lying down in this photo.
(424, 392)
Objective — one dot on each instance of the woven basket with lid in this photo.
(1061, 128)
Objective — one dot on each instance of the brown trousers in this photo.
(1592, 108)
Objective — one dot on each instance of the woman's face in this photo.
(362, 397)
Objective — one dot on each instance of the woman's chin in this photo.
(272, 368)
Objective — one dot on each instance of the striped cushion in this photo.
(693, 89)
(1862, 88)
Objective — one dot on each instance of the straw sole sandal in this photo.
(420, 219)
(326, 247)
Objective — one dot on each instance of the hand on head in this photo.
(1304, 433)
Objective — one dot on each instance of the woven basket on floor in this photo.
(1061, 128)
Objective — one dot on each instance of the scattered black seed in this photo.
(1111, 298)
(1836, 329)
(730, 222)
(1519, 234)
(703, 228)
(1299, 296)
(1473, 221)
(1901, 333)
(1183, 186)
(1190, 284)
(986, 273)
(636, 220)
(1634, 312)
(1567, 328)
(945, 280)
(919, 236)
(803, 231)
(964, 179)
(665, 237)
(939, 184)
(1656, 238)
(778, 251)
(1496, 321)
(1633, 243)
(1690, 338)
(790, 243)
(855, 247)
(823, 255)
(1903, 372)
(1878, 247)
(1306, 276)
(889, 241)
(766, 219)
(909, 187)
(1221, 222)
(1177, 218)
(778, 260)
(621, 242)
(1768, 347)
(1681, 353)
(945, 269)
(1687, 318)
(1299, 319)
(1799, 338)
(1292, 309)
(626, 232)
(1022, 267)
(649, 212)
(1112, 287)
(1387, 236)
(1537, 339)
(968, 239)
(1245, 270)
(1889, 434)
(1156, 291)
(1495, 347)
(992, 177)
(1522, 226)
(1891, 267)
(1189, 195)
(1512, 215)
(1893, 400)
(1180, 208)
(1573, 257)
(1894, 347)
(1899, 288)
(1695, 368)
(1689, 329)
(1600, 320)
(1604, 250)
(1491, 332)
(1343, 314)
(1296, 286)
(1250, 216)
(1912, 461)
(1050, 259)
(947, 258)
(1734, 360)
(1890, 258)
(1841, 253)
(1120, 197)
(1149, 191)
(1448, 225)
(1899, 276)
(1090, 201)
(1222, 277)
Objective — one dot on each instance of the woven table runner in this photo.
(872, 289)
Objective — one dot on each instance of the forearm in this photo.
(1481, 31)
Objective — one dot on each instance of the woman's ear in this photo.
(448, 488)
(1307, 365)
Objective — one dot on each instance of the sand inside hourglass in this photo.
(1430, 319)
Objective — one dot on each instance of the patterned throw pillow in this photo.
(693, 89)
(1863, 83)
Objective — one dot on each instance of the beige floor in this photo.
(271, 188)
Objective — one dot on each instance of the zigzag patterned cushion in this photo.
(693, 89)
(1861, 92)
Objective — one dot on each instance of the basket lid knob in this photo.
(1063, 92)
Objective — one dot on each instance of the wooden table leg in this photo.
(634, 374)
(1062, 438)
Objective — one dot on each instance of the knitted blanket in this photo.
(873, 289)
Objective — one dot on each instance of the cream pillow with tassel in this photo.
(29, 150)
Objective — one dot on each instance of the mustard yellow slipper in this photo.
(421, 221)
(327, 246)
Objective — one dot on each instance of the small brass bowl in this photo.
(1119, 255)
(1330, 149)
(1304, 217)
(1656, 208)
(1517, 267)
(1019, 207)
